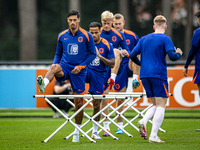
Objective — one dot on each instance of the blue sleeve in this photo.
(196, 38)
(57, 59)
(59, 52)
(110, 52)
(173, 56)
(92, 51)
(191, 54)
(123, 44)
(169, 46)
(133, 57)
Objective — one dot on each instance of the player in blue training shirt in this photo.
(153, 73)
(195, 51)
(97, 69)
(117, 39)
(127, 67)
(75, 50)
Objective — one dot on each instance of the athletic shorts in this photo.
(196, 77)
(155, 87)
(77, 80)
(108, 74)
(96, 81)
(122, 78)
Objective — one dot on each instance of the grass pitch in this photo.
(27, 133)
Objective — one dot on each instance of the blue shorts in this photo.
(108, 73)
(77, 80)
(96, 81)
(107, 76)
(196, 77)
(155, 87)
(122, 78)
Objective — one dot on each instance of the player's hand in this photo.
(97, 51)
(76, 70)
(185, 72)
(125, 53)
(178, 50)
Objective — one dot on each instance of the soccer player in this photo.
(195, 51)
(153, 73)
(75, 50)
(128, 69)
(97, 69)
(117, 39)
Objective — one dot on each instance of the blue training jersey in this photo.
(196, 42)
(131, 40)
(116, 38)
(153, 49)
(75, 50)
(106, 50)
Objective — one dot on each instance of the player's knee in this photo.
(117, 52)
(56, 68)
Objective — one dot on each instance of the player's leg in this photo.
(149, 114)
(96, 88)
(120, 119)
(158, 119)
(198, 85)
(79, 117)
(114, 70)
(121, 84)
(104, 103)
(96, 109)
(54, 70)
(78, 87)
(160, 89)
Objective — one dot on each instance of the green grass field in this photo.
(27, 133)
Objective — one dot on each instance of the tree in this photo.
(28, 30)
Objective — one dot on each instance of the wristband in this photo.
(65, 85)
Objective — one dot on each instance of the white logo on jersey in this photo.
(72, 49)
(95, 62)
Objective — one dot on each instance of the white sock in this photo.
(157, 121)
(135, 77)
(113, 76)
(76, 130)
(95, 127)
(46, 81)
(149, 114)
(120, 124)
(106, 125)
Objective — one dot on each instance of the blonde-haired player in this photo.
(117, 39)
(153, 74)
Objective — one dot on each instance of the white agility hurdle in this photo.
(67, 97)
(89, 99)
(129, 97)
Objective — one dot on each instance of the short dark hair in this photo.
(73, 13)
(197, 14)
(95, 24)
